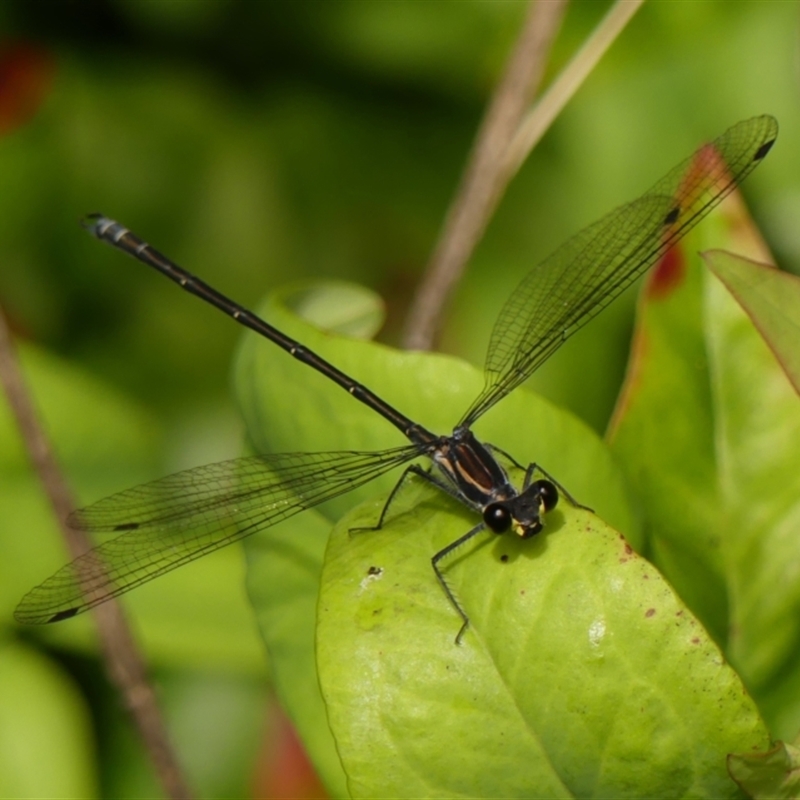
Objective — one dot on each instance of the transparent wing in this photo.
(177, 519)
(590, 270)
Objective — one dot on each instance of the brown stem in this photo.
(124, 664)
(480, 187)
(547, 107)
(501, 148)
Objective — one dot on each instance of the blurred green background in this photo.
(258, 143)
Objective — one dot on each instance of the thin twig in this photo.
(480, 191)
(558, 94)
(479, 188)
(124, 664)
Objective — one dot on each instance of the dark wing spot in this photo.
(126, 526)
(672, 216)
(70, 612)
(763, 150)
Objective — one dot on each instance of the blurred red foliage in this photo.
(26, 75)
(283, 769)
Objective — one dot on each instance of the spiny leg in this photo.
(529, 477)
(444, 552)
(529, 471)
(531, 468)
(414, 469)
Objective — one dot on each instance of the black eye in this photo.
(497, 517)
(548, 494)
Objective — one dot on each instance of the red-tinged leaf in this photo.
(26, 74)
(668, 273)
(708, 431)
(284, 770)
(771, 299)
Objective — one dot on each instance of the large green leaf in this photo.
(709, 432)
(581, 675)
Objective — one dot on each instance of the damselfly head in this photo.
(531, 506)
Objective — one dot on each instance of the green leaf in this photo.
(774, 775)
(663, 435)
(708, 430)
(581, 675)
(284, 565)
(46, 747)
(771, 299)
(289, 407)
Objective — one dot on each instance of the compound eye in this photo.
(548, 494)
(497, 517)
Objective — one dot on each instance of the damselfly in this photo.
(177, 519)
